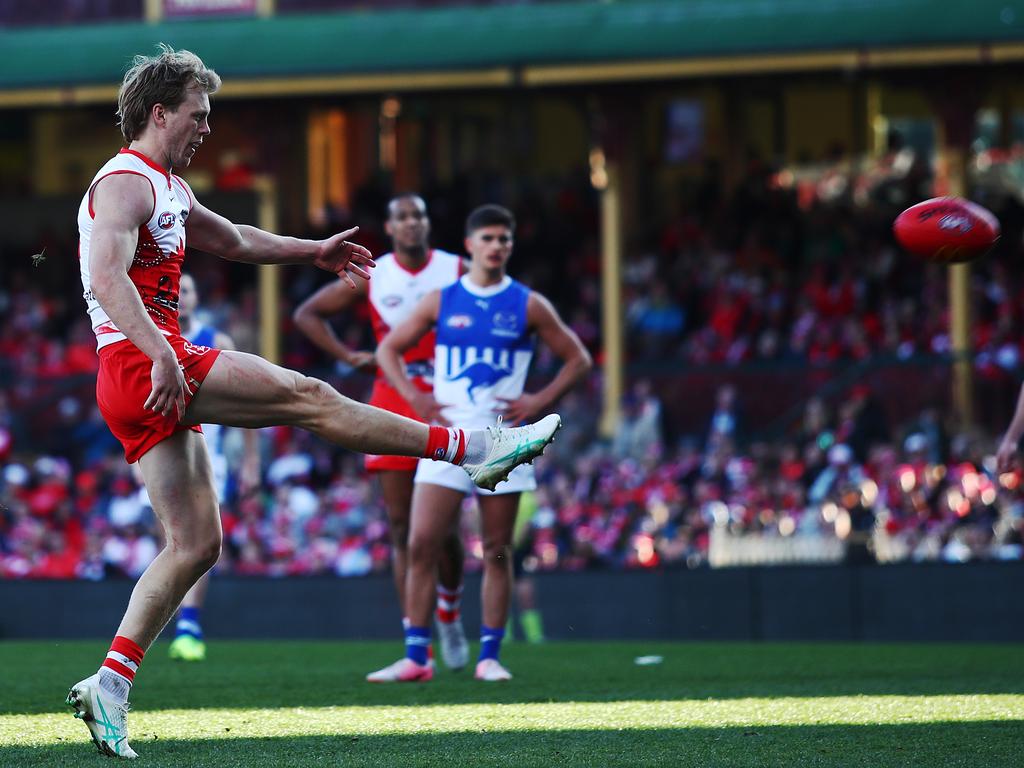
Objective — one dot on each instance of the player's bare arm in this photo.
(313, 318)
(122, 203)
(209, 231)
(403, 338)
(1008, 447)
(543, 319)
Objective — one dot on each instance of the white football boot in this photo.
(510, 447)
(454, 646)
(490, 670)
(405, 670)
(106, 718)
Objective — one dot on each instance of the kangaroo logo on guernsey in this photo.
(480, 375)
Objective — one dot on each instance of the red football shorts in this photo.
(385, 396)
(124, 383)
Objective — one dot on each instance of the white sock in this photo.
(114, 684)
(478, 443)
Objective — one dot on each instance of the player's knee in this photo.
(399, 535)
(497, 554)
(312, 390)
(422, 549)
(208, 550)
(201, 552)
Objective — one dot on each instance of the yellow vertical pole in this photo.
(954, 170)
(316, 156)
(153, 10)
(611, 292)
(269, 274)
(877, 124)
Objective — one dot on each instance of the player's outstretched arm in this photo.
(313, 318)
(543, 318)
(209, 231)
(1008, 447)
(121, 204)
(402, 338)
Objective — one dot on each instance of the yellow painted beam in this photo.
(925, 57)
(1007, 52)
(545, 75)
(407, 81)
(278, 86)
(697, 67)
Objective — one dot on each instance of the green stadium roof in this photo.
(512, 37)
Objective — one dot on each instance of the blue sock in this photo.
(417, 641)
(490, 642)
(188, 623)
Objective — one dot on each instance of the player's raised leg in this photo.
(244, 390)
(180, 484)
(435, 510)
(497, 519)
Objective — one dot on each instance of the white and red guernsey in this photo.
(395, 292)
(156, 268)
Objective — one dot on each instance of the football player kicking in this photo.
(155, 388)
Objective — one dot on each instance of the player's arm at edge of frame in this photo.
(312, 318)
(543, 318)
(404, 337)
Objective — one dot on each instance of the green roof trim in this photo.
(453, 39)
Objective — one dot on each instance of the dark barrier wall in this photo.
(974, 602)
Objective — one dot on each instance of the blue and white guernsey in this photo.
(483, 350)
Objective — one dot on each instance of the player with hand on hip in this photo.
(486, 325)
(401, 279)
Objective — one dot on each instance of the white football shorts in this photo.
(450, 476)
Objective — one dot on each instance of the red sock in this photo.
(449, 604)
(446, 444)
(124, 657)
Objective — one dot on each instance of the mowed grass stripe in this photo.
(493, 718)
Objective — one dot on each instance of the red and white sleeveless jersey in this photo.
(156, 268)
(395, 292)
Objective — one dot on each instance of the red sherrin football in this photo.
(947, 229)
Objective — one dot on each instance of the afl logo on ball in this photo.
(166, 220)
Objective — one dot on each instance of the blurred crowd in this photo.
(773, 270)
(632, 502)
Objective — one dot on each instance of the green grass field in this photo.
(724, 704)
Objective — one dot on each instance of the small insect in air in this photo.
(38, 258)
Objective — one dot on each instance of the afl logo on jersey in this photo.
(459, 321)
(166, 220)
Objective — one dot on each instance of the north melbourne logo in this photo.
(480, 375)
(505, 324)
